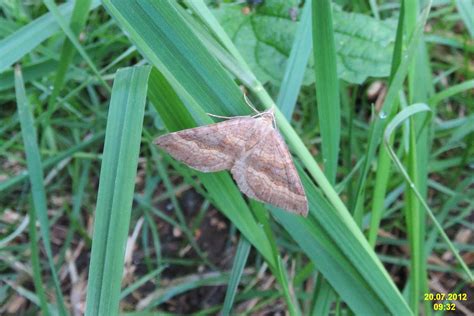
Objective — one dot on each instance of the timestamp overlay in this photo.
(446, 301)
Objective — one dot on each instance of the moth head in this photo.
(269, 116)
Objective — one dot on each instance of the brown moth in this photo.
(252, 149)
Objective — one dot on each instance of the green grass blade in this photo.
(449, 92)
(24, 40)
(199, 6)
(383, 171)
(18, 179)
(318, 238)
(35, 170)
(296, 66)
(78, 20)
(150, 276)
(327, 85)
(27, 38)
(53, 8)
(419, 89)
(390, 99)
(413, 219)
(117, 181)
(323, 298)
(466, 9)
(241, 255)
(35, 263)
(397, 120)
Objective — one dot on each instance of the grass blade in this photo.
(296, 67)
(24, 40)
(390, 99)
(16, 180)
(35, 263)
(383, 171)
(466, 9)
(117, 181)
(241, 255)
(397, 120)
(78, 20)
(327, 85)
(35, 170)
(53, 8)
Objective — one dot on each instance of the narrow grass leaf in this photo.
(397, 120)
(466, 9)
(240, 259)
(12, 182)
(78, 20)
(137, 284)
(451, 91)
(116, 185)
(53, 8)
(327, 85)
(33, 160)
(296, 65)
(24, 40)
(384, 170)
(390, 99)
(35, 263)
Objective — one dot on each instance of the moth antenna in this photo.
(220, 116)
(226, 117)
(250, 104)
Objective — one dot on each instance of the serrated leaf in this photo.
(265, 35)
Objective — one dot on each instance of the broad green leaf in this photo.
(265, 37)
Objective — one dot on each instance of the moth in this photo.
(252, 149)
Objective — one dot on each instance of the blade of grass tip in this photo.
(78, 20)
(52, 7)
(449, 92)
(296, 65)
(35, 170)
(390, 99)
(35, 262)
(397, 120)
(181, 285)
(240, 259)
(116, 185)
(18, 231)
(383, 171)
(327, 85)
(136, 285)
